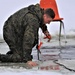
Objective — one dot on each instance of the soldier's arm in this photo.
(46, 32)
(44, 28)
(30, 34)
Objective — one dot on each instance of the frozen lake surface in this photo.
(50, 51)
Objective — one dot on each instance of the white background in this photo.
(65, 7)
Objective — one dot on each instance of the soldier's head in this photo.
(48, 16)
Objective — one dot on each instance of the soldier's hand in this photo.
(32, 64)
(47, 36)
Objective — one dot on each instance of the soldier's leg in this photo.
(10, 58)
(10, 38)
(9, 35)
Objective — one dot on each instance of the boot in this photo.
(10, 58)
(9, 52)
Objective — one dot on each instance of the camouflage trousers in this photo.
(15, 45)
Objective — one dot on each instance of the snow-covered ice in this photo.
(49, 52)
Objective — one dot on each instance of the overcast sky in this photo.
(65, 7)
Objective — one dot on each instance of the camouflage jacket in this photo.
(25, 24)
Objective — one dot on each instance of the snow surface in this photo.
(31, 73)
(47, 48)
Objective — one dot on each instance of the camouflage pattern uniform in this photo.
(20, 32)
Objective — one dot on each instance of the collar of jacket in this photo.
(37, 11)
